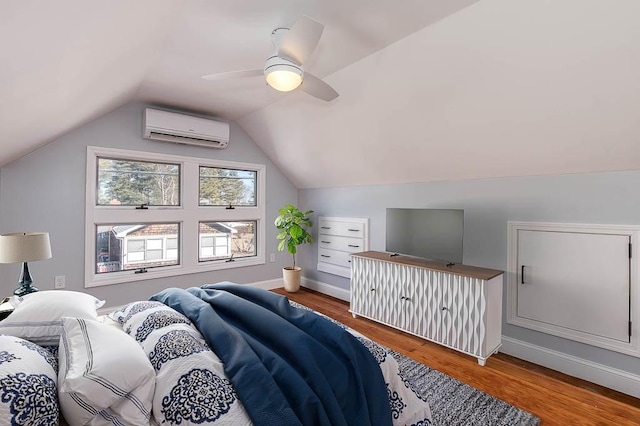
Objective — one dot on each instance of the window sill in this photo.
(171, 271)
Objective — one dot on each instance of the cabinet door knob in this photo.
(373, 289)
(444, 308)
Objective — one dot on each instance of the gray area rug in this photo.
(452, 402)
(455, 403)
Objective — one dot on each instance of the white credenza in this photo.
(338, 238)
(456, 306)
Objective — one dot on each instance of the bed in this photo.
(216, 354)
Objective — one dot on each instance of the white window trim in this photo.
(187, 215)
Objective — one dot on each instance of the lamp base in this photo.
(24, 283)
(24, 289)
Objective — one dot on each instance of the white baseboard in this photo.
(337, 292)
(613, 378)
(269, 284)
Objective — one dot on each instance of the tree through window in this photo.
(227, 187)
(133, 183)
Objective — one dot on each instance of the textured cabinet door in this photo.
(458, 311)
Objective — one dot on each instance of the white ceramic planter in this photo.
(291, 277)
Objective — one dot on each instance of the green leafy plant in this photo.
(294, 226)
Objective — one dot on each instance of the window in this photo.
(154, 215)
(135, 183)
(227, 240)
(227, 187)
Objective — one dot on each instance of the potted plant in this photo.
(294, 230)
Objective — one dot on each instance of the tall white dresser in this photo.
(338, 238)
(457, 306)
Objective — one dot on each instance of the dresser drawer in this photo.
(334, 257)
(333, 242)
(344, 229)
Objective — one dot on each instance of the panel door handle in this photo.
(522, 274)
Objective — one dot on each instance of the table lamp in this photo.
(24, 247)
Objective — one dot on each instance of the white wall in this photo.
(606, 198)
(45, 191)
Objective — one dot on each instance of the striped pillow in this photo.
(104, 375)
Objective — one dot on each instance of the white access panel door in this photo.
(578, 281)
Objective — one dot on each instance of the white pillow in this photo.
(104, 375)
(28, 393)
(37, 316)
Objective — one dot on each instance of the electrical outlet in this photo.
(272, 257)
(59, 281)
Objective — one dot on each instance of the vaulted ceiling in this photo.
(429, 90)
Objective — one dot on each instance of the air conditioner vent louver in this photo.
(168, 126)
(163, 137)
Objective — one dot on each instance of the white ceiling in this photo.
(429, 90)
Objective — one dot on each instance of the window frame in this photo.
(188, 214)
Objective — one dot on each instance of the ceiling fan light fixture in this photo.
(283, 77)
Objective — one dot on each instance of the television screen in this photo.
(429, 233)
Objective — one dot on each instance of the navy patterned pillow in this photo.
(28, 390)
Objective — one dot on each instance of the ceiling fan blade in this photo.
(233, 74)
(318, 88)
(301, 39)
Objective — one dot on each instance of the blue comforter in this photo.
(289, 366)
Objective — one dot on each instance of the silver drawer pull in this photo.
(353, 230)
(352, 245)
(325, 242)
(324, 255)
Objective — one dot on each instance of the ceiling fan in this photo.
(283, 69)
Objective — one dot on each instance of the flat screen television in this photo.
(434, 234)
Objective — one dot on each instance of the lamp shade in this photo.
(24, 247)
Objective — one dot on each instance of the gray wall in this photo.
(604, 198)
(45, 191)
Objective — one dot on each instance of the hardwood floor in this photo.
(557, 399)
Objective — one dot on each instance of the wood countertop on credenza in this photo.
(459, 269)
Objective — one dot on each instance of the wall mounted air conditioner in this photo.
(168, 126)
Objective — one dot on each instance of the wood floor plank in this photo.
(557, 399)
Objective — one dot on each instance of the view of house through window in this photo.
(125, 247)
(220, 240)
